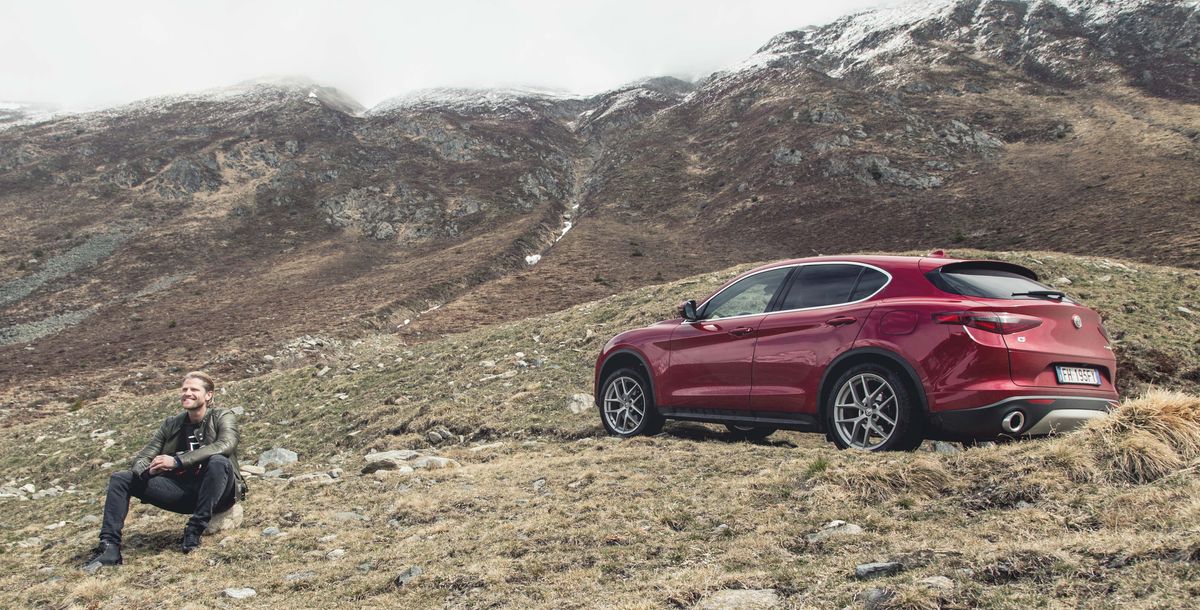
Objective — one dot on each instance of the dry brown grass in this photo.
(558, 516)
(1146, 438)
(908, 474)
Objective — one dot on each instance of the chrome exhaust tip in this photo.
(1013, 422)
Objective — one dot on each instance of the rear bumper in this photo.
(1038, 416)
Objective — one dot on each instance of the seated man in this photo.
(189, 467)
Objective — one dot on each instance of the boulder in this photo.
(388, 460)
(834, 528)
(740, 599)
(277, 457)
(226, 521)
(580, 403)
(430, 462)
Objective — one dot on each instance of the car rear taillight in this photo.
(992, 322)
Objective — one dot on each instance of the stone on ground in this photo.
(740, 599)
(222, 522)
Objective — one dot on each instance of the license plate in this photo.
(1075, 374)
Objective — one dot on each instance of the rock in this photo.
(723, 530)
(28, 488)
(1182, 309)
(273, 474)
(301, 575)
(88, 520)
(937, 582)
(873, 570)
(243, 593)
(314, 478)
(539, 486)
(29, 543)
(946, 448)
(875, 598)
(239, 411)
(386, 474)
(274, 458)
(487, 364)
(51, 492)
(787, 156)
(834, 528)
(388, 460)
(430, 462)
(270, 532)
(321, 373)
(336, 554)
(345, 516)
(580, 403)
(407, 576)
(1061, 281)
(478, 448)
(336, 473)
(327, 538)
(740, 599)
(252, 469)
(54, 526)
(228, 520)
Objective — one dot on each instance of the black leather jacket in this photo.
(219, 434)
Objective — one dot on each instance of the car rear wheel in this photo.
(870, 408)
(627, 405)
(751, 433)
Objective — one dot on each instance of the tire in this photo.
(749, 433)
(892, 422)
(627, 405)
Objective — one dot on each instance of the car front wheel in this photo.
(870, 408)
(627, 405)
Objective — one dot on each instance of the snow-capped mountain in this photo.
(279, 207)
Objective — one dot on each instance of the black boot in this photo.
(191, 539)
(107, 554)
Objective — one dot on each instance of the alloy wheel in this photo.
(865, 411)
(624, 405)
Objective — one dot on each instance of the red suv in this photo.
(877, 352)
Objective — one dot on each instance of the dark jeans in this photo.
(199, 496)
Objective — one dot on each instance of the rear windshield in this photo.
(985, 282)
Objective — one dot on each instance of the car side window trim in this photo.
(790, 275)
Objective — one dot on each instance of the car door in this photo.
(817, 318)
(711, 358)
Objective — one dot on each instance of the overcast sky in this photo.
(88, 53)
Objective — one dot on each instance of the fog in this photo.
(87, 54)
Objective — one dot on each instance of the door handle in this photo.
(741, 331)
(841, 320)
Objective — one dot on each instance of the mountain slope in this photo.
(208, 230)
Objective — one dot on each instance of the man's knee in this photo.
(220, 462)
(120, 479)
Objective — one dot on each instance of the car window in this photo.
(819, 285)
(985, 282)
(869, 283)
(747, 296)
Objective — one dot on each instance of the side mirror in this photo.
(687, 310)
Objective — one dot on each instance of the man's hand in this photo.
(162, 463)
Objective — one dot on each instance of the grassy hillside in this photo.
(546, 512)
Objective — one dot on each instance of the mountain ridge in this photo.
(278, 209)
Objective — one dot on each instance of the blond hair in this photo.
(204, 378)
